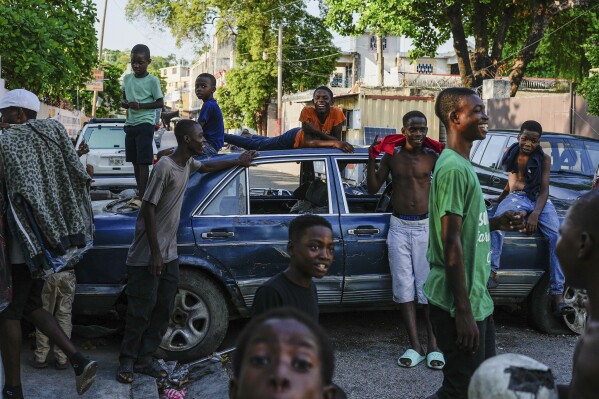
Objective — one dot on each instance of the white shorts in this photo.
(408, 242)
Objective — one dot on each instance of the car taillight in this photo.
(155, 159)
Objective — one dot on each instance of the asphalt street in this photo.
(367, 346)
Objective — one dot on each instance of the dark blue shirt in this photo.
(214, 127)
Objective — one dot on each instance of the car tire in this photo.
(199, 320)
(541, 313)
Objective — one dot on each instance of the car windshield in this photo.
(572, 156)
(105, 137)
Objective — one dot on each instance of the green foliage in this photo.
(431, 23)
(111, 95)
(560, 54)
(589, 87)
(47, 47)
(308, 54)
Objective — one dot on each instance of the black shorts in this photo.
(26, 294)
(138, 144)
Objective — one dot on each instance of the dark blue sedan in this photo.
(232, 237)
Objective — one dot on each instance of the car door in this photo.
(364, 230)
(246, 230)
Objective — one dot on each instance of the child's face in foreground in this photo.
(529, 141)
(139, 64)
(282, 360)
(322, 101)
(204, 88)
(312, 253)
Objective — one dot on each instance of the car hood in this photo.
(565, 188)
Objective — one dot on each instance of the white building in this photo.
(358, 64)
(216, 61)
(177, 86)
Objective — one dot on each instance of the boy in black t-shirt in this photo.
(310, 248)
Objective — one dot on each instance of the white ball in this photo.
(512, 376)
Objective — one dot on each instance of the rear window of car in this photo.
(105, 137)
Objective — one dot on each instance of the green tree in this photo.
(492, 23)
(589, 87)
(308, 54)
(110, 96)
(48, 47)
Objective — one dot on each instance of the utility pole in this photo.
(99, 56)
(280, 82)
(380, 60)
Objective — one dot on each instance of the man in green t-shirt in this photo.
(459, 246)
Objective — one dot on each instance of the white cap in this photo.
(20, 98)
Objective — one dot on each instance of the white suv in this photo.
(106, 141)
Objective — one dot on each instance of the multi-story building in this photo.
(178, 86)
(216, 61)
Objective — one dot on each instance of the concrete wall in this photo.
(552, 111)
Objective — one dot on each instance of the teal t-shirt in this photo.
(142, 90)
(455, 189)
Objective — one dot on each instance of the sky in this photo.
(121, 34)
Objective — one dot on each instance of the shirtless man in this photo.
(528, 190)
(579, 254)
(410, 166)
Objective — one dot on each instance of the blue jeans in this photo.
(548, 227)
(263, 143)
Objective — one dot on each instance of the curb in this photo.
(144, 387)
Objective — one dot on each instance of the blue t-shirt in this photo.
(214, 127)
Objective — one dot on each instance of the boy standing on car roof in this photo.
(152, 262)
(321, 128)
(527, 190)
(461, 308)
(141, 97)
(411, 166)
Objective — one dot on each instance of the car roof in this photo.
(361, 151)
(105, 120)
(545, 134)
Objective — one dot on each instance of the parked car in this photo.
(573, 161)
(106, 141)
(596, 178)
(232, 237)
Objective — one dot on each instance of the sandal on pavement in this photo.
(435, 356)
(124, 373)
(153, 370)
(39, 365)
(414, 357)
(61, 366)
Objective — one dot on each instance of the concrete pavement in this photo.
(50, 383)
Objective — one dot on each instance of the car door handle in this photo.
(495, 179)
(363, 231)
(218, 234)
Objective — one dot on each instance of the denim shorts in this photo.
(138, 144)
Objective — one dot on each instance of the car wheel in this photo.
(199, 320)
(541, 313)
(576, 298)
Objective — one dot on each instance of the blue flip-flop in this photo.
(435, 356)
(414, 357)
